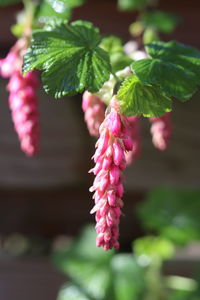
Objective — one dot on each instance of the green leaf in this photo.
(136, 28)
(119, 61)
(133, 4)
(154, 247)
(150, 35)
(137, 98)
(49, 11)
(46, 13)
(160, 20)
(177, 213)
(175, 67)
(17, 30)
(66, 3)
(128, 278)
(72, 292)
(174, 79)
(177, 53)
(7, 2)
(70, 59)
(87, 265)
(113, 45)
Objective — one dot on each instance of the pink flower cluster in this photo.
(161, 131)
(94, 110)
(22, 99)
(110, 162)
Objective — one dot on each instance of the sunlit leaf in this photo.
(137, 98)
(70, 59)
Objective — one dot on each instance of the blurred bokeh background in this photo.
(47, 196)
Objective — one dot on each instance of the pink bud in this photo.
(114, 175)
(114, 124)
(107, 161)
(111, 197)
(118, 154)
(120, 190)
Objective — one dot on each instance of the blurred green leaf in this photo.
(119, 61)
(17, 30)
(182, 295)
(137, 98)
(133, 4)
(154, 247)
(136, 28)
(177, 213)
(49, 11)
(113, 45)
(162, 21)
(46, 14)
(150, 35)
(128, 278)
(7, 2)
(66, 3)
(72, 292)
(87, 265)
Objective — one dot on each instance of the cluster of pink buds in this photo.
(94, 110)
(161, 131)
(22, 98)
(110, 162)
(134, 129)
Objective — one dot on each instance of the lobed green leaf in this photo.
(137, 98)
(70, 58)
(174, 66)
(174, 79)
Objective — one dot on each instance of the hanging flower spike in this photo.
(23, 104)
(134, 134)
(161, 129)
(7, 64)
(22, 98)
(94, 110)
(108, 190)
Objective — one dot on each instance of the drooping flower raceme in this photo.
(22, 98)
(110, 162)
(94, 110)
(161, 131)
(134, 133)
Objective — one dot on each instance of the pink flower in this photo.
(22, 99)
(107, 187)
(94, 110)
(161, 131)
